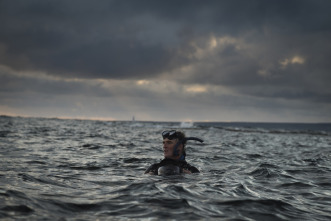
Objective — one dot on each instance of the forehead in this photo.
(167, 140)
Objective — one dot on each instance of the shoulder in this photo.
(191, 168)
(152, 169)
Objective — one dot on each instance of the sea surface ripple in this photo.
(54, 169)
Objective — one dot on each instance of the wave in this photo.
(89, 170)
(87, 166)
(263, 209)
(186, 124)
(322, 129)
(17, 209)
(5, 133)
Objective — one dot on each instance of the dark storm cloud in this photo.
(276, 49)
(79, 39)
(114, 39)
(11, 83)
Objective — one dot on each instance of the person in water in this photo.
(174, 162)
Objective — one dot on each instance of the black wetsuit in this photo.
(182, 164)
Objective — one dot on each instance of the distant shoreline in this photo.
(162, 121)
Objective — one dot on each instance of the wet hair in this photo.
(181, 136)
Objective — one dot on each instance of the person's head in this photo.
(170, 140)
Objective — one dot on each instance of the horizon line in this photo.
(162, 121)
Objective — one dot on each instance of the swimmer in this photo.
(174, 143)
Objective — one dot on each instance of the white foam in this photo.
(186, 124)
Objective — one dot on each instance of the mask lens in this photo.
(169, 134)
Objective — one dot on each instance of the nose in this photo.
(165, 145)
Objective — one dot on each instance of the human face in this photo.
(168, 148)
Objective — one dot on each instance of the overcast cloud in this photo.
(241, 60)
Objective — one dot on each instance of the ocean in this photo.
(55, 169)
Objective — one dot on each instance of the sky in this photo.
(187, 60)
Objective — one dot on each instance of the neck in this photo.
(179, 158)
(182, 157)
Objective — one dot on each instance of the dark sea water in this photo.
(52, 169)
